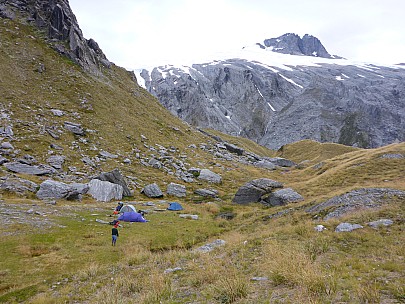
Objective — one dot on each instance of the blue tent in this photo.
(131, 217)
(174, 206)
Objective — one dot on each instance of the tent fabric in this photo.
(127, 208)
(131, 217)
(174, 206)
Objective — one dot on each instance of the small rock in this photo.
(58, 113)
(6, 145)
(209, 247)
(259, 279)
(189, 216)
(320, 228)
(382, 222)
(169, 270)
(347, 227)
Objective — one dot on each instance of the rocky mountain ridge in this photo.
(56, 19)
(285, 90)
(293, 44)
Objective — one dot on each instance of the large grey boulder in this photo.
(254, 190)
(176, 190)
(116, 177)
(105, 191)
(282, 197)
(209, 176)
(18, 185)
(152, 190)
(18, 167)
(51, 189)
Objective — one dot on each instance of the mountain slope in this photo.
(41, 91)
(275, 99)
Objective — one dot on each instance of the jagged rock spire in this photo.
(295, 45)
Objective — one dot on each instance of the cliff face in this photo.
(324, 99)
(56, 19)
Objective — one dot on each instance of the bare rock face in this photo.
(295, 45)
(57, 20)
(273, 106)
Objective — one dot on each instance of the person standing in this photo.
(115, 234)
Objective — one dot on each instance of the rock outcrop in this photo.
(18, 186)
(364, 198)
(56, 19)
(293, 44)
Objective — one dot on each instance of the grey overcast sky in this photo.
(140, 33)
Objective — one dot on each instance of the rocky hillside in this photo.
(286, 89)
(69, 115)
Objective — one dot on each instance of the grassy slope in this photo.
(75, 262)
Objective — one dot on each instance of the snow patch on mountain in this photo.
(255, 55)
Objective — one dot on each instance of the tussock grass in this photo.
(230, 289)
